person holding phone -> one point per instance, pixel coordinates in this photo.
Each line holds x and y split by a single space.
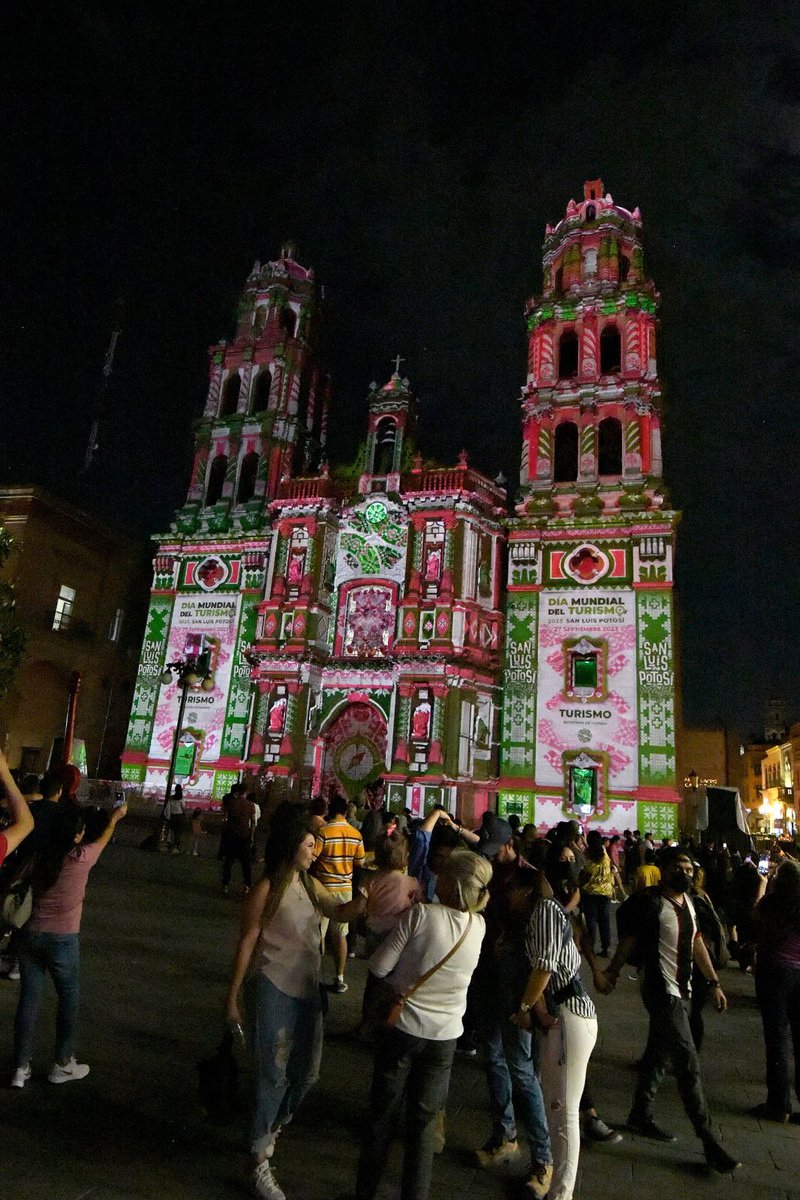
777 975
50 944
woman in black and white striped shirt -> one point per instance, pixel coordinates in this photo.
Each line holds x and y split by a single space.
565 1048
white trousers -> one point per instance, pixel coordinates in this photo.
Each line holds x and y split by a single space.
564 1052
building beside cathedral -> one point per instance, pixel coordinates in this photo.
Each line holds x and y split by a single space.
395 621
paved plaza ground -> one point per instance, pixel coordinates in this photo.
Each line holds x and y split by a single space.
156 943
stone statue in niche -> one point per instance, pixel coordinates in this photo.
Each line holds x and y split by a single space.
295 572
276 716
433 566
421 722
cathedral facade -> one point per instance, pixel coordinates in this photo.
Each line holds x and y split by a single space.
395 621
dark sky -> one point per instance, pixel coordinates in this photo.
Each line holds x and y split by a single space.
414 151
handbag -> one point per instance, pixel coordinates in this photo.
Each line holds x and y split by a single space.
18 904
218 1082
383 1004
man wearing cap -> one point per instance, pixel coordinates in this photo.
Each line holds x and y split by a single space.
510 1051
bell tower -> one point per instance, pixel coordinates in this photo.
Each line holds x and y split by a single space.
392 418
266 411
591 405
589 705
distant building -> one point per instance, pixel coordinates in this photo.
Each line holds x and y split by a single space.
780 786
81 597
701 763
392 621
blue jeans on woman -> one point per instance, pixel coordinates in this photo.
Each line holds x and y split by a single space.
40 954
286 1036
512 1072
778 994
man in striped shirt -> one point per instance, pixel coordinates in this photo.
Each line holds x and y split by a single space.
339 850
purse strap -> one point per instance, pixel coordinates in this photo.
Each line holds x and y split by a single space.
424 978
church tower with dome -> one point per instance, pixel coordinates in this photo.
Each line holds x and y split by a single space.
588 687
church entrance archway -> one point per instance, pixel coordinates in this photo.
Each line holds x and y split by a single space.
355 750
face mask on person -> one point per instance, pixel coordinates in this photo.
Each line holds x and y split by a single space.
679 881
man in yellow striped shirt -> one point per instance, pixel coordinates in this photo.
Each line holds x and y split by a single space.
339 850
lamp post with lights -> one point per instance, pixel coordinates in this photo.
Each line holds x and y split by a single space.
191 673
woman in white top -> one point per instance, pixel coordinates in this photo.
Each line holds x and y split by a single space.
280 942
414 1058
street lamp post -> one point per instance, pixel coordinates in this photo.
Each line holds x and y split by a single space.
191 672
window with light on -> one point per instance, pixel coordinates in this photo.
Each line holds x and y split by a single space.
64 606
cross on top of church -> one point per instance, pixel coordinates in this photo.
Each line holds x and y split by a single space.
397 360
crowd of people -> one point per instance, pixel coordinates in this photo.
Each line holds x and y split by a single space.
474 939
480 935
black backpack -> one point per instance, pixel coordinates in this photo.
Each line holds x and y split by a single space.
633 915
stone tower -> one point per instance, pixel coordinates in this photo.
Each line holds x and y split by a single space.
588 716
264 421
265 416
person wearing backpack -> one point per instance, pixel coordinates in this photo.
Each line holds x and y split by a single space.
717 946
659 932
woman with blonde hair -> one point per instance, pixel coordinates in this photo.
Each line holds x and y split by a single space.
428 959
280 952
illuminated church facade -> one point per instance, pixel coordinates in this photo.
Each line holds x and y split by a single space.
394 621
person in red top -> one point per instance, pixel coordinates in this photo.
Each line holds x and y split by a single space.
50 942
21 823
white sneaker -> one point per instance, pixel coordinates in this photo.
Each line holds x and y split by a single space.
21 1076
66 1074
265 1185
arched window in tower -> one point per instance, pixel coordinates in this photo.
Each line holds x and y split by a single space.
216 479
230 394
565 464
259 399
288 320
558 284
385 437
624 268
247 478
591 212
568 355
610 351
260 320
609 447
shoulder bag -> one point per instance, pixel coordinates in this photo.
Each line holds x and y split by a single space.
384 1004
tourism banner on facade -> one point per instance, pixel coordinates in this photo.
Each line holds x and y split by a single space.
601 718
211 621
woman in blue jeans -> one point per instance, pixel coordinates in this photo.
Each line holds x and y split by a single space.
278 961
777 973
50 944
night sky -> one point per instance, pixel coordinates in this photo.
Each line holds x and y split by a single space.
414 152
